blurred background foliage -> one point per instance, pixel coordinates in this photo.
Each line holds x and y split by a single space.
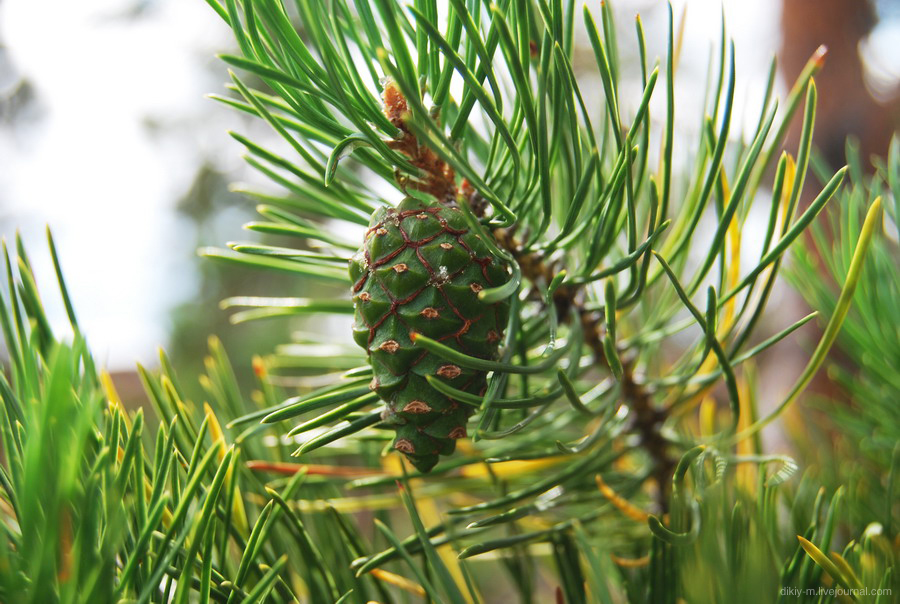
854 406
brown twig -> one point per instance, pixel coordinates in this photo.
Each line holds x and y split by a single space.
647 417
435 176
438 179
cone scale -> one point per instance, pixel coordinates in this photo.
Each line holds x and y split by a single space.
420 270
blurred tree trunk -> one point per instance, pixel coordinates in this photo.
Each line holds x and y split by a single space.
845 105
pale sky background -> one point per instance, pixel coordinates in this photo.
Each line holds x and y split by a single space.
106 183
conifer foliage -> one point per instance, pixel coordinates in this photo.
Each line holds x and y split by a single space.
522 278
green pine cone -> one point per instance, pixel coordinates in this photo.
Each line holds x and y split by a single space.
419 271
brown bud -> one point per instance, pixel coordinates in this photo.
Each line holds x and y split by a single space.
430 313
389 346
417 407
449 371
400 268
405 446
457 432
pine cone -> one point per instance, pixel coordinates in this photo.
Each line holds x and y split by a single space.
419 271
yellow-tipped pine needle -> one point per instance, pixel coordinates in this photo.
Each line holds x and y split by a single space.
630 562
238 513
620 503
823 561
112 395
507 469
398 581
746 474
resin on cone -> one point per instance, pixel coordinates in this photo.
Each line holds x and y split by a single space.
420 271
